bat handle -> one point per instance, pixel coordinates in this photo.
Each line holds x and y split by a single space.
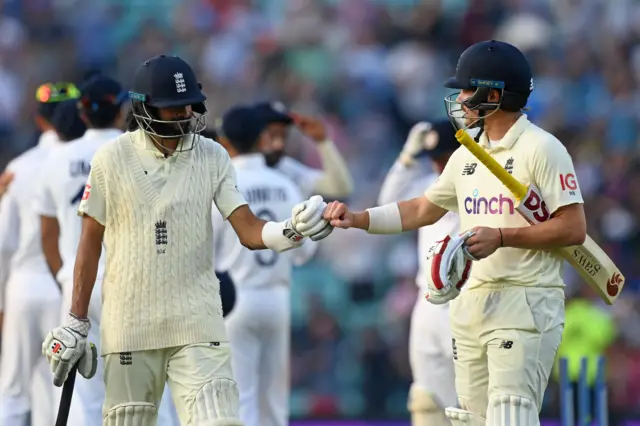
65 399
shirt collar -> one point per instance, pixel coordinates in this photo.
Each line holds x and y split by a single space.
102 133
510 137
249 160
48 139
144 141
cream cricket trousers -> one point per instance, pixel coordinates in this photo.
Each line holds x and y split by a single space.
32 309
505 342
259 332
431 359
89 394
199 376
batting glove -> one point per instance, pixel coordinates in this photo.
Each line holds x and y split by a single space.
67 346
449 269
414 144
306 219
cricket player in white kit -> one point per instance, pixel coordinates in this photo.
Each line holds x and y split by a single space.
430 349
65 176
32 297
508 323
149 198
259 326
334 180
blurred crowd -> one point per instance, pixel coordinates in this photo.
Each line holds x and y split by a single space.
371 69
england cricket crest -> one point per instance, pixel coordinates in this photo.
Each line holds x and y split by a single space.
162 236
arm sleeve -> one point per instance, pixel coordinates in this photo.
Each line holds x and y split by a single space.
555 176
9 236
227 197
443 191
403 183
94 201
335 179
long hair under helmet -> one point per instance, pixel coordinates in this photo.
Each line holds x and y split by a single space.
484 66
167 82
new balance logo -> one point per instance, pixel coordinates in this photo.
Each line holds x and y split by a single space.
181 86
506 344
469 169
508 166
162 237
125 358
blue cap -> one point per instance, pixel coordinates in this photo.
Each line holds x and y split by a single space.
99 90
66 121
242 125
274 112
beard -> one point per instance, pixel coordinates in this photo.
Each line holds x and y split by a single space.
180 128
273 158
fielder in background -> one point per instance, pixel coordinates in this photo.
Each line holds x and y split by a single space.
430 351
507 325
334 180
149 198
259 327
32 302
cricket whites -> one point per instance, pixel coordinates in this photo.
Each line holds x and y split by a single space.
589 260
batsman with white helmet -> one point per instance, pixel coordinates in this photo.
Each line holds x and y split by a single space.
149 200
430 350
507 324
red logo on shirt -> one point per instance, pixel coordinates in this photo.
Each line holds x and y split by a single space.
568 181
87 192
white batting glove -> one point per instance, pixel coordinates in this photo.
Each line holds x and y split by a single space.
414 144
306 219
67 346
448 269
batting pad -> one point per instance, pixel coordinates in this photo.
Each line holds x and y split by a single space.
459 417
217 404
511 410
132 414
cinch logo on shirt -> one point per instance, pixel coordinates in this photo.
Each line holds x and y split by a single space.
493 205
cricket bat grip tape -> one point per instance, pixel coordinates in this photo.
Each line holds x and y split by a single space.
65 399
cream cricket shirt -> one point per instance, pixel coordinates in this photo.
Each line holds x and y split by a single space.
466 186
160 288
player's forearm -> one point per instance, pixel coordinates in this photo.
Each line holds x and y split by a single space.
336 181
50 234
554 233
84 278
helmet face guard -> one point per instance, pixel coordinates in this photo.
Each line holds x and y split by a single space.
147 117
462 119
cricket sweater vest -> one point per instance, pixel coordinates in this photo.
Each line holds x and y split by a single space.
160 289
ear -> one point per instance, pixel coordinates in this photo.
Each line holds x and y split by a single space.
494 96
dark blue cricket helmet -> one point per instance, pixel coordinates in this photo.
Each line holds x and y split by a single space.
491 65
167 82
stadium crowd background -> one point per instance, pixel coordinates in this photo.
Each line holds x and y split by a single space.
372 69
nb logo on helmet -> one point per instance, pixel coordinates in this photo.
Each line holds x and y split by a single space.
181 86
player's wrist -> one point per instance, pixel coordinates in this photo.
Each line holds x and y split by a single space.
385 219
361 220
78 324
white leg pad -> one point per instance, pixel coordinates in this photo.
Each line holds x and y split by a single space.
459 417
512 410
131 414
425 411
217 403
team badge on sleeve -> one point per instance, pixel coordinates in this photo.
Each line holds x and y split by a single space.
87 192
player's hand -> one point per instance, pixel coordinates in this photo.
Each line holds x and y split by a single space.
414 144
338 215
314 128
67 346
307 220
483 242
5 179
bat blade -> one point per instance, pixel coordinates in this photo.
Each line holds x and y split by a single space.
588 259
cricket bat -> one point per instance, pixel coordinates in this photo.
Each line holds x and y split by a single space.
65 399
589 260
